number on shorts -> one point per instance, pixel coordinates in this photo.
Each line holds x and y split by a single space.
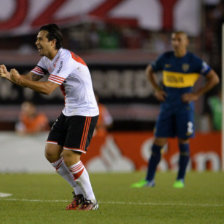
190 127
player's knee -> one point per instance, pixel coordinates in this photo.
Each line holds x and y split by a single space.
71 157
184 149
183 141
50 156
67 154
52 153
160 141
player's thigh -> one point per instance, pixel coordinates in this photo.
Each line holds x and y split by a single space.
165 126
57 133
185 124
79 133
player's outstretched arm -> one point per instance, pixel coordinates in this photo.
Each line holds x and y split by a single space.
45 87
4 72
32 76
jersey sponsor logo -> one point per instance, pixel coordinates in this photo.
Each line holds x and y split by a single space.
60 66
174 79
179 80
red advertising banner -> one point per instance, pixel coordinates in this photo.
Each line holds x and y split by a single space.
25 16
128 151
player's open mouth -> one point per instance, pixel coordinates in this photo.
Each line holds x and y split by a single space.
39 48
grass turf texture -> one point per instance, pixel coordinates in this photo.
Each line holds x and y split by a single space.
42 198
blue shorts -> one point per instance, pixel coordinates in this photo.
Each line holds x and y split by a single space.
175 122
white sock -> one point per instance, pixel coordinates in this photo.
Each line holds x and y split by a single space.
63 171
81 177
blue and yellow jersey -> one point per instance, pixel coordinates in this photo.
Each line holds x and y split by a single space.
179 74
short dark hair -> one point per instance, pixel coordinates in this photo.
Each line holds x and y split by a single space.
181 33
54 32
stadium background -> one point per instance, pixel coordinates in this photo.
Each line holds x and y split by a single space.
117 39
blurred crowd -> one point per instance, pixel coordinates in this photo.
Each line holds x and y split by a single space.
109 37
101 36
95 36
98 35
212 32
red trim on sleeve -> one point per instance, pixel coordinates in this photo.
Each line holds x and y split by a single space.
38 70
57 79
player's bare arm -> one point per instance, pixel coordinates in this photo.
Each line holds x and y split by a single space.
4 72
159 93
32 76
212 79
45 87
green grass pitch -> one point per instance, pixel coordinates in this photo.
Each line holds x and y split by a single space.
42 198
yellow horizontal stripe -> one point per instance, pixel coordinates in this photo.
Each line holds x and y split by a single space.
179 80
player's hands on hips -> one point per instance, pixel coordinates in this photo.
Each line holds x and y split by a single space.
15 76
188 97
160 94
4 72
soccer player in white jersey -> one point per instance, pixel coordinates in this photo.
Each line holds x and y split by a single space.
71 133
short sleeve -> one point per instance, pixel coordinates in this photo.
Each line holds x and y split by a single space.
61 71
40 68
205 68
201 66
158 64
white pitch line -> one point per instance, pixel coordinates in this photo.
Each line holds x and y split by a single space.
120 202
163 204
4 195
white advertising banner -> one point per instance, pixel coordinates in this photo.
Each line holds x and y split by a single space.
114 152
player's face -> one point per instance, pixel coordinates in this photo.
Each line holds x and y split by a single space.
44 46
179 41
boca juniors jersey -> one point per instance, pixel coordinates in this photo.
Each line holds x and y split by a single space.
179 74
